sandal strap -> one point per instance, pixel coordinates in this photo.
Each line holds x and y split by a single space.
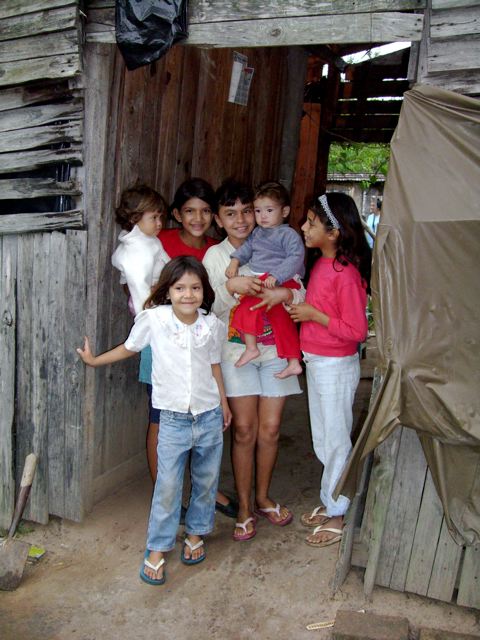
275 509
320 529
243 525
193 547
154 567
319 511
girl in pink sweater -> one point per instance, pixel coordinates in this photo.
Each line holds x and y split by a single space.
333 324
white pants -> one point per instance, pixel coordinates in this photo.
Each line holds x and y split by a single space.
332 383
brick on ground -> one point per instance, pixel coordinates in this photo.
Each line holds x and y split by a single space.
437 634
351 625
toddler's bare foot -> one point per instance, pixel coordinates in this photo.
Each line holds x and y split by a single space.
293 368
248 355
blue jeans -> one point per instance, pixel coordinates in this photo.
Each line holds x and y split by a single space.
180 434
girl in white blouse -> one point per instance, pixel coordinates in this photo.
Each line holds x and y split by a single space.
186 341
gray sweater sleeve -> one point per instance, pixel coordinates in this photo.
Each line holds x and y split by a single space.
294 252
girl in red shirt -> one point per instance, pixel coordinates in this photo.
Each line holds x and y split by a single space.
334 322
193 208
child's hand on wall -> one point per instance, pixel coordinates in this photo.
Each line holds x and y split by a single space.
86 353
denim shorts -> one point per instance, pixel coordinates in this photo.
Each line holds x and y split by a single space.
256 378
153 414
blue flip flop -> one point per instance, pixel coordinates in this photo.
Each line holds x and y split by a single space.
154 567
193 547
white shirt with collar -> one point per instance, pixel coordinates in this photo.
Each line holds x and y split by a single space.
182 378
140 260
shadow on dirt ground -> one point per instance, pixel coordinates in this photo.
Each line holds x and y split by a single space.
87 587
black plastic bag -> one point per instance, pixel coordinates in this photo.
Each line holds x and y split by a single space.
146 29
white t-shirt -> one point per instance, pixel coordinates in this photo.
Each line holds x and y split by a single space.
140 260
182 378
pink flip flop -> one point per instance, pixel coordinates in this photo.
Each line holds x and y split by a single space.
247 535
265 513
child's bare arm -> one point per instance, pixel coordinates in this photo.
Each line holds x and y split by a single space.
232 270
304 312
270 282
227 414
109 357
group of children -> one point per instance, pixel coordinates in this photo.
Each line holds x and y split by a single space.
172 298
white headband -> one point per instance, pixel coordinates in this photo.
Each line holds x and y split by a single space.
333 221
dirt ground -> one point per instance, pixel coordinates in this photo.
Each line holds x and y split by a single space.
87 587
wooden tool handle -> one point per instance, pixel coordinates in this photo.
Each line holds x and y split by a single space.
25 486
28 470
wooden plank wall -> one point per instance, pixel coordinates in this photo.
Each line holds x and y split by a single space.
42 303
42 264
448 55
41 112
404 530
159 124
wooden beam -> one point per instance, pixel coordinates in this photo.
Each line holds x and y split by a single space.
455 23
466 82
45 92
24 25
30 160
383 107
11 8
21 188
201 11
43 114
48 67
33 137
363 27
454 54
30 222
375 89
383 136
452 4
308 29
361 121
53 44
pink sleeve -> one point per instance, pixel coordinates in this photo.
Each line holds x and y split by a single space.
352 323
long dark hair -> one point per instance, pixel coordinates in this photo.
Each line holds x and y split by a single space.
352 246
194 188
171 273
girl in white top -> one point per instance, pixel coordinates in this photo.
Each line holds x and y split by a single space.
186 341
140 256
256 396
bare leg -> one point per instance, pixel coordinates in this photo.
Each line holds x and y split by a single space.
245 430
269 418
152 459
251 350
293 368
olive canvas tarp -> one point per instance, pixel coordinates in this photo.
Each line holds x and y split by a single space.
426 296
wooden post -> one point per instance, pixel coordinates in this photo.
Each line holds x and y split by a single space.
296 74
8 276
326 121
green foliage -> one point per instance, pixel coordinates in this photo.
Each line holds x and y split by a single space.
371 159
